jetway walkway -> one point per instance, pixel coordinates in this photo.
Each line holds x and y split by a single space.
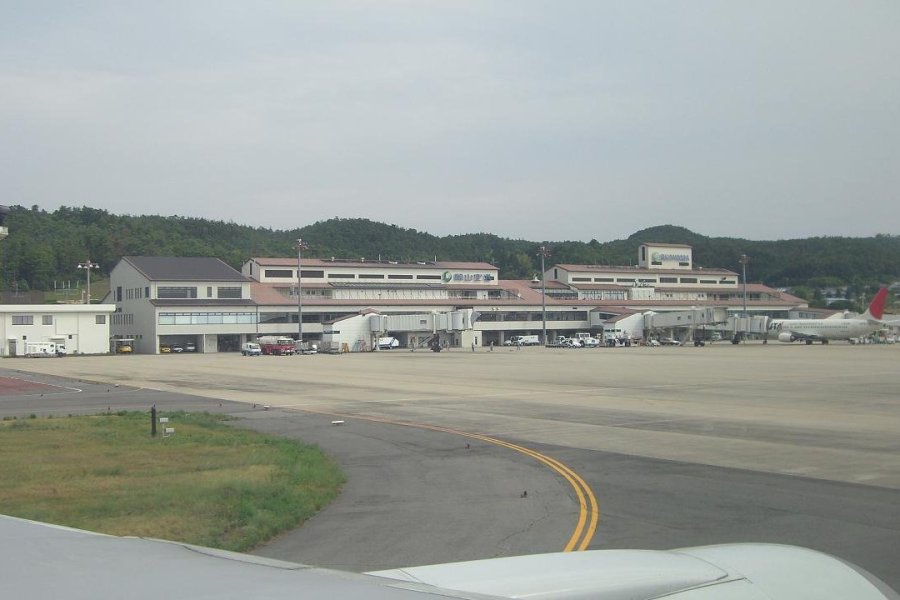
706 319
363 332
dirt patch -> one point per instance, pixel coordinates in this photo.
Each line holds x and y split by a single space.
12 386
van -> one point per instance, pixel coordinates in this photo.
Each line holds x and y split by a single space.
523 340
251 349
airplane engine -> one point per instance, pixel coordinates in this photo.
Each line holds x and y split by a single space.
786 337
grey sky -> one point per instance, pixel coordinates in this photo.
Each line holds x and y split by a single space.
535 120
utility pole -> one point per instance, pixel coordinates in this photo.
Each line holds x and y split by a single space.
744 260
543 252
4 231
301 246
87 266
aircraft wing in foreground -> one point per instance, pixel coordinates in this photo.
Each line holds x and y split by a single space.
43 561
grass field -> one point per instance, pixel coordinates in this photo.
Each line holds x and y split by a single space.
207 484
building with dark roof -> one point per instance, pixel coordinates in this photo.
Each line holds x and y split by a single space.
204 303
181 302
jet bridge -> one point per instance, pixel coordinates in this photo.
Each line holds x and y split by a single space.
705 316
359 333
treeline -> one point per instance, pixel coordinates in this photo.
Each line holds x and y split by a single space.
45 248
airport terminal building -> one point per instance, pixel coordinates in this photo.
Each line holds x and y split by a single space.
205 304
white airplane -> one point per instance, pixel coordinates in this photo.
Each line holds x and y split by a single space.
41 561
835 327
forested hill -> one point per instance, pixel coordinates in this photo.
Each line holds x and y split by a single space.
44 247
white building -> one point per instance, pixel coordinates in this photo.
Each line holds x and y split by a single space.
82 328
165 301
203 302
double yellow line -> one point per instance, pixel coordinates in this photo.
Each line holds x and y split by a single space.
589 512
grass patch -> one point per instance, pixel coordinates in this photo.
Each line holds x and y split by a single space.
208 484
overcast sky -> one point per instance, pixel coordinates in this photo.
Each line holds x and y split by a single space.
556 120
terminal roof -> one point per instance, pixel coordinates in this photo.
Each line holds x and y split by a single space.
184 268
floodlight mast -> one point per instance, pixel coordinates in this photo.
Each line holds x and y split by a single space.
301 246
543 252
87 266
744 260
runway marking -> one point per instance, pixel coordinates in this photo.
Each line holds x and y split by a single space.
589 511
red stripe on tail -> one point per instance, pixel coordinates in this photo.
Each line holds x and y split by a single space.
876 309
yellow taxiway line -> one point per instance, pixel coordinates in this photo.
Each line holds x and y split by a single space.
589 512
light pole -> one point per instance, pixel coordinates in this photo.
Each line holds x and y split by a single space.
543 252
87 266
744 260
694 324
301 246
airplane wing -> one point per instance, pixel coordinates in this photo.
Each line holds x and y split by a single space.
41 561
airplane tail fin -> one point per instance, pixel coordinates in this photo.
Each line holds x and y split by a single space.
876 309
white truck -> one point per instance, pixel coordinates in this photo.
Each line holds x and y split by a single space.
251 349
523 340
44 350
586 340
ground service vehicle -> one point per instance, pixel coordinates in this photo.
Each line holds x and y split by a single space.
251 349
388 343
276 345
587 340
306 348
44 350
568 342
524 340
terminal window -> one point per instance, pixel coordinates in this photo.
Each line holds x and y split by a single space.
177 292
229 292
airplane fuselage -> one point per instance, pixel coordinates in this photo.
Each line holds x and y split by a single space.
790 330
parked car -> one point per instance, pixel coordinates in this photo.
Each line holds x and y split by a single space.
669 342
190 347
165 349
654 343
177 348
124 349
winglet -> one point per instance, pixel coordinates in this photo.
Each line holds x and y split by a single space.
876 309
